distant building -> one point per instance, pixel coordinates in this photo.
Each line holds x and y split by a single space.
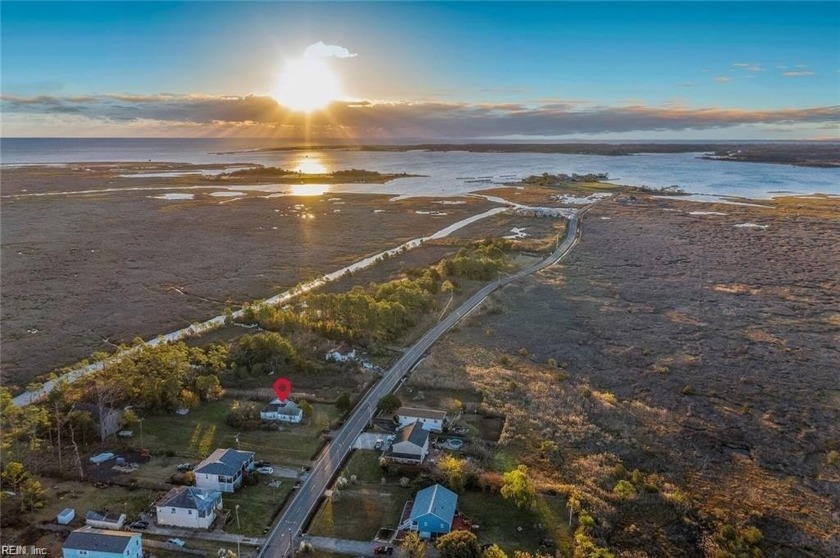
432 512
223 470
99 543
341 354
285 411
189 506
105 520
108 422
410 446
430 419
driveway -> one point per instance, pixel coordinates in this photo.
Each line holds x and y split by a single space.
366 440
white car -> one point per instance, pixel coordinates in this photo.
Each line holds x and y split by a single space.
176 542
265 471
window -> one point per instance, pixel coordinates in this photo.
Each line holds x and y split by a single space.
189 512
173 510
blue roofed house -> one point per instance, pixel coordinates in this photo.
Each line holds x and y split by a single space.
189 506
88 542
223 470
432 512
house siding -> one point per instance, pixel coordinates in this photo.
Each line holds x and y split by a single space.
133 550
181 517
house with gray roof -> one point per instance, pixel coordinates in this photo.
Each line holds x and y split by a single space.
88 542
189 506
282 411
410 446
432 513
430 419
223 470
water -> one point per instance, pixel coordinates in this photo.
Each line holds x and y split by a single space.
449 173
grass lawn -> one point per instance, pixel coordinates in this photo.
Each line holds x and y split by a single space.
500 521
484 428
85 497
365 465
256 507
196 435
360 511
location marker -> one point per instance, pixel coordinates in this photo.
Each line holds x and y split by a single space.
282 387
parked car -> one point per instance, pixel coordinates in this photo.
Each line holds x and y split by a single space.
383 550
265 471
262 463
176 542
140 524
184 467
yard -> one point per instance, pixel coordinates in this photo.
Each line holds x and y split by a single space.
362 508
85 497
500 521
195 435
257 505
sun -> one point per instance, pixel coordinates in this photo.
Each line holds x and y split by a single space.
307 85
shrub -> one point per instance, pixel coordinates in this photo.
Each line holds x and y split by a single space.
624 490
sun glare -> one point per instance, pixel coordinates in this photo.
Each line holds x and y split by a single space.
306 85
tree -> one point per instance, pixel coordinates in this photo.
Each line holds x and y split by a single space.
129 419
343 403
494 552
519 487
624 490
389 404
458 544
454 471
305 407
413 546
32 494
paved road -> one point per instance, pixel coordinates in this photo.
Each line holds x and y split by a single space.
291 522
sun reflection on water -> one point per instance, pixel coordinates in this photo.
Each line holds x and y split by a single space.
309 189
310 164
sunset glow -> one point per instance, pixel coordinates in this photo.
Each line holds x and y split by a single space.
307 85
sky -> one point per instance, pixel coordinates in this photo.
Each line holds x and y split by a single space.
436 71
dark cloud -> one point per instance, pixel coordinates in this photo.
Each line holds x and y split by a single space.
366 119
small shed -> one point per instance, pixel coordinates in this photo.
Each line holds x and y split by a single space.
105 520
65 516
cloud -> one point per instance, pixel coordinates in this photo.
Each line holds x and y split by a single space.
723 79
321 50
798 74
749 67
253 115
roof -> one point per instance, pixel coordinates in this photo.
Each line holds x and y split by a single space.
190 497
420 413
102 540
282 408
106 516
436 500
414 433
224 462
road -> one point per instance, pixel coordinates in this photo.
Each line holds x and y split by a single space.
291 522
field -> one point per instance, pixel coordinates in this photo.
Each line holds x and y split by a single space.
693 342
196 435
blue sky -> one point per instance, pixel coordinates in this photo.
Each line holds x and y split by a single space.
754 58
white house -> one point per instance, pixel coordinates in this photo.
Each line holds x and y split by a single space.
411 445
105 520
88 542
341 354
188 506
285 411
430 419
223 470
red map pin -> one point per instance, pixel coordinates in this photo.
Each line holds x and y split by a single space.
282 387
